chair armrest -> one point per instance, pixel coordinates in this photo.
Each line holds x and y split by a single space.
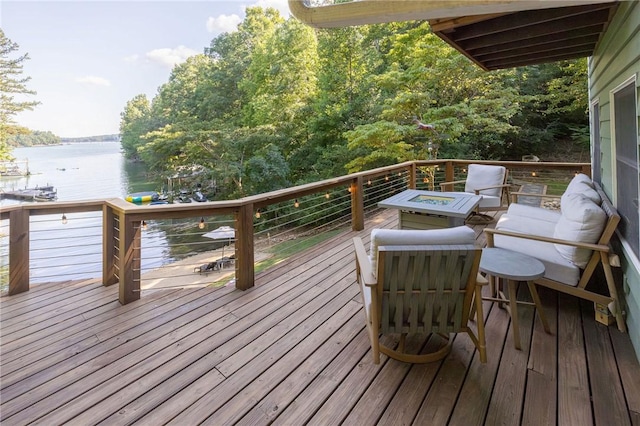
503 185
363 263
451 183
480 280
491 232
514 196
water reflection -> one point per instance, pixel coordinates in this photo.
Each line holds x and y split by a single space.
79 171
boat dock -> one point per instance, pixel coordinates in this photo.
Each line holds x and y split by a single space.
39 193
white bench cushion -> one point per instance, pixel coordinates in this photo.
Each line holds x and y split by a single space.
396 237
526 225
490 201
557 268
537 213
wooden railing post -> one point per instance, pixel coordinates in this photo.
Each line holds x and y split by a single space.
413 173
109 242
357 204
449 172
129 261
19 251
245 274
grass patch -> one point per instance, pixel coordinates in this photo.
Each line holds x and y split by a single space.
287 249
284 250
556 187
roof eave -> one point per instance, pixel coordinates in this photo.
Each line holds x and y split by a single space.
382 11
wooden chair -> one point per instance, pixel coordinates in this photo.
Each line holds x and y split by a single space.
420 289
486 180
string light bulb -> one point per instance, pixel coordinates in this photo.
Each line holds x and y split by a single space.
144 225
201 224
64 219
326 195
386 178
369 182
257 214
533 174
296 204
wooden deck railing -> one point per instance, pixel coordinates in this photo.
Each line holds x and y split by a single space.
122 221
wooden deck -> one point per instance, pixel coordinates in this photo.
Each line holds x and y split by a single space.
293 350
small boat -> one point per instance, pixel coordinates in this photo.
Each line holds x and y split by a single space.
199 197
184 196
46 195
142 197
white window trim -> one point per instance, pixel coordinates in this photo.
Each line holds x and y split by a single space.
614 170
592 107
614 178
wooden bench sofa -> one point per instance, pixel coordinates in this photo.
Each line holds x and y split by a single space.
571 242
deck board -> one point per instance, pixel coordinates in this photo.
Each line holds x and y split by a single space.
294 350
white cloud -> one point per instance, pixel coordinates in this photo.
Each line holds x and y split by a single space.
132 58
281 5
96 81
171 57
223 23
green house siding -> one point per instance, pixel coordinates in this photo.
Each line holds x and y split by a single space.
616 59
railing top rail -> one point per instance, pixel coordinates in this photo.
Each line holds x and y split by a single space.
54 207
258 200
521 164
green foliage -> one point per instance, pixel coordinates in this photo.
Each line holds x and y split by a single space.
380 144
134 124
554 100
12 83
277 103
32 138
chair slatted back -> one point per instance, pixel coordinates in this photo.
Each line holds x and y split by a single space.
426 288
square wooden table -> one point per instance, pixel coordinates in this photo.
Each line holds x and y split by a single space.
430 209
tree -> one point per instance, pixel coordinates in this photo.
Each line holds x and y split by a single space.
135 122
11 83
276 103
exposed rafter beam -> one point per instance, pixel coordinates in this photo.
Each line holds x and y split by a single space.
535 59
529 19
543 29
540 40
560 46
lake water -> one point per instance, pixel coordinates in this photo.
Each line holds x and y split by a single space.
80 171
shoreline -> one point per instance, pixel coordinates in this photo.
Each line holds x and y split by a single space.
181 274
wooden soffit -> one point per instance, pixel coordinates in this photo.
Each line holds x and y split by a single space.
492 33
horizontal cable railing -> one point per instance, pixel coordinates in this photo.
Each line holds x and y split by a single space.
65 247
148 247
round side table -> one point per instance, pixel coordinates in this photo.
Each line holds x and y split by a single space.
513 267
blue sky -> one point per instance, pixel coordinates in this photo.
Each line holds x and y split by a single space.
88 58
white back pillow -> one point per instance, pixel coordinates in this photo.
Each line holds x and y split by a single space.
582 220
